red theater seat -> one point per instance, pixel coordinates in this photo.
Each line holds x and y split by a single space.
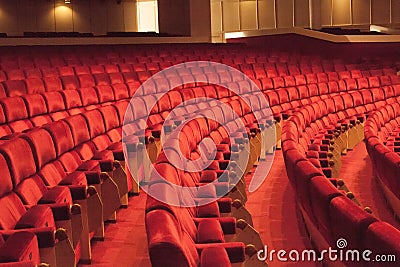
19 249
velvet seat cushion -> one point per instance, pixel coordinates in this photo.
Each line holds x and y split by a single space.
36 217
21 246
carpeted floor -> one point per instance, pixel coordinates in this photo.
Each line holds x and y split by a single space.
275 216
273 208
125 242
357 173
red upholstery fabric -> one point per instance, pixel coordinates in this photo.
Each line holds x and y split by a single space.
209 231
382 239
350 222
14 151
11 210
15 88
36 217
12 113
6 182
20 247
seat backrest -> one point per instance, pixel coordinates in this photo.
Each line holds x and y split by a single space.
348 221
11 211
15 88
383 239
15 74
70 82
35 86
79 128
110 117
42 146
66 71
95 122
54 101
71 98
86 80
52 84
88 96
61 135
14 108
5 178
20 159
80 70
101 79
105 93
167 245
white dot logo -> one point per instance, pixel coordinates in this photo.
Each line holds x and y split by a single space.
341 243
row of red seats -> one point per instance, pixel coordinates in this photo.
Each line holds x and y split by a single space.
203 234
159 115
381 136
102 53
73 82
319 198
39 109
37 85
62 163
96 74
36 110
256 69
341 108
104 93
63 55
32 139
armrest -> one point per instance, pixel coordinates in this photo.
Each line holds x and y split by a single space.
131 146
61 212
93 177
156 133
225 205
361 118
45 235
78 192
323 154
223 164
106 165
324 163
221 188
277 118
227 155
285 115
327 172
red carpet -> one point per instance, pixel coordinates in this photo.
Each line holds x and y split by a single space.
275 215
126 242
358 175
